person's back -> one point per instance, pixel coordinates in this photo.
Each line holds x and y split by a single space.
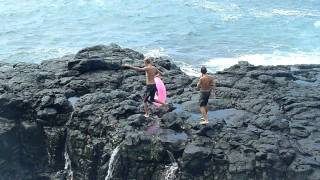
206 83
206 86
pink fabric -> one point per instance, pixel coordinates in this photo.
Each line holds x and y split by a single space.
161 94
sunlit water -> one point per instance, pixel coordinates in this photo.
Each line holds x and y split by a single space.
193 32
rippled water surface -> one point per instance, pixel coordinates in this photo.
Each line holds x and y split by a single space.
193 32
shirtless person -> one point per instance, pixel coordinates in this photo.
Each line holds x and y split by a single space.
206 85
151 89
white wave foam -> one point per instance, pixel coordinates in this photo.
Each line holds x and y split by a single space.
316 24
276 58
213 6
280 58
282 12
218 7
158 52
186 68
259 13
227 11
232 11
287 12
37 55
189 69
218 64
96 2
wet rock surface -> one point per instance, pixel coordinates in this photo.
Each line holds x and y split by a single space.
80 116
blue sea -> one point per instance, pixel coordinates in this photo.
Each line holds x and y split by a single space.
213 33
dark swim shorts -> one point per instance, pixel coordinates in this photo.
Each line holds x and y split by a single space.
204 97
150 93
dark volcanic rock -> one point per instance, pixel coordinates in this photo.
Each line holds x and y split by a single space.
195 159
263 125
102 58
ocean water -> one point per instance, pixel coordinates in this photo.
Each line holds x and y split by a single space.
193 32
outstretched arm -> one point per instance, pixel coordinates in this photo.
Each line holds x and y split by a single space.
134 68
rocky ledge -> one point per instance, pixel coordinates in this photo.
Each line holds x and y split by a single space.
80 117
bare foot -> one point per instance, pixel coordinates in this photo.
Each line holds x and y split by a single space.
204 122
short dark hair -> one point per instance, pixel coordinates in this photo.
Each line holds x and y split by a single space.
148 60
203 70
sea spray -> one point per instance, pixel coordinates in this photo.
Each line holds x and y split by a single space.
112 162
73 101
